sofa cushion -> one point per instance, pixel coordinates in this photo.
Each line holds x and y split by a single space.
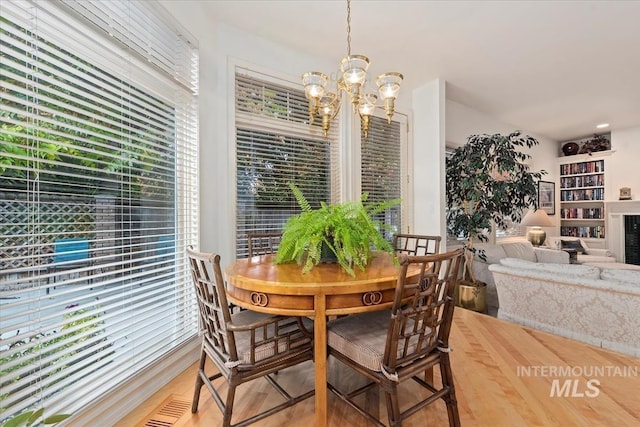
572 244
562 269
625 276
585 258
493 253
522 250
556 242
554 256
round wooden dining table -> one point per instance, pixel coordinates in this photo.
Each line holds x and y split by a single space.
260 285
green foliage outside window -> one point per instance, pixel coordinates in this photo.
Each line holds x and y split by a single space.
52 351
49 124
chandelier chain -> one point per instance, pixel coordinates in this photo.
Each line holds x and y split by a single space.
348 27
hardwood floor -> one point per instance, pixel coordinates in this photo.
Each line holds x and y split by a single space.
504 376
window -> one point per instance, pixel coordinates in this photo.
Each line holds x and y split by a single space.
276 146
98 198
381 169
512 229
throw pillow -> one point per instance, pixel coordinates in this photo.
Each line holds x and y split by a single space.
572 244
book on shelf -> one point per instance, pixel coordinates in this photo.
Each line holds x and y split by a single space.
581 213
594 166
583 231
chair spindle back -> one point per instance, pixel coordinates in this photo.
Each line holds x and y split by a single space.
423 309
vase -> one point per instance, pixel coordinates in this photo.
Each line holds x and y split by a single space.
326 254
471 296
570 149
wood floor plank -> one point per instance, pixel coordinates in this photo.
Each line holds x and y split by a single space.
490 359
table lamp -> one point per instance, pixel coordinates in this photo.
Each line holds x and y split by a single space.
535 220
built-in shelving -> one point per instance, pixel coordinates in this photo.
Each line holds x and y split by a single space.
582 199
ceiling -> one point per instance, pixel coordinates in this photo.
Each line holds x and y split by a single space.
553 68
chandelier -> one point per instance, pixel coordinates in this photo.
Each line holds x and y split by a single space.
352 79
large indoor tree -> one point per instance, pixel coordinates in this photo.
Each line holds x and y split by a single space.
488 181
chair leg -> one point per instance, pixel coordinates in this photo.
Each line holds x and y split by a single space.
450 398
428 375
228 408
199 383
393 406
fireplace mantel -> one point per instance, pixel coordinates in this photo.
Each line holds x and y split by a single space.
616 211
623 207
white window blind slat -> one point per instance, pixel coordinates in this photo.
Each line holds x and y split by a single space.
55 71
98 150
165 46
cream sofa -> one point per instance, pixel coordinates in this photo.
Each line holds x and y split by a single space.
520 249
589 255
597 306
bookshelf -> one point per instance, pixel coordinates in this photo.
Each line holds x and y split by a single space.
582 198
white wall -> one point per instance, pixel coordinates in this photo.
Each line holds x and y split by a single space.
622 168
463 121
221 46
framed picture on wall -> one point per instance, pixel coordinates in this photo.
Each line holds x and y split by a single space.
547 197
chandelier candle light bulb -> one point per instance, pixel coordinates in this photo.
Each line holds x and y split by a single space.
314 83
389 84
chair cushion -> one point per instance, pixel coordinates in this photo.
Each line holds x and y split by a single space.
361 337
572 244
243 339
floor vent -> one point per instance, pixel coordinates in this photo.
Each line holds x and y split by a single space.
168 413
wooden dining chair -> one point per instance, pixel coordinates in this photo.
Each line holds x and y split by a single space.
391 346
416 244
263 243
243 346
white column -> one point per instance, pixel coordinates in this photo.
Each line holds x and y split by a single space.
428 159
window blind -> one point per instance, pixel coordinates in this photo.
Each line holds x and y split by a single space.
98 197
381 169
275 146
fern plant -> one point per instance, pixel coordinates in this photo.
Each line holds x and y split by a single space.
348 230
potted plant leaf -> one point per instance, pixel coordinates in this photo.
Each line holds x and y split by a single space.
347 231
29 418
487 180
